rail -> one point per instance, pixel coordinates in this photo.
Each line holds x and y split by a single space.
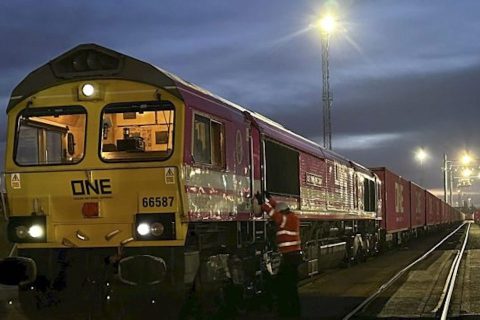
398 275
452 279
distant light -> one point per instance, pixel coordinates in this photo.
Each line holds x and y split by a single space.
466 173
327 24
421 155
466 159
88 90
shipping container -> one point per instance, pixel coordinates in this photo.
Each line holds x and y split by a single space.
417 206
431 205
396 206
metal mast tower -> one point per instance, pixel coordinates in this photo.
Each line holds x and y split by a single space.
326 96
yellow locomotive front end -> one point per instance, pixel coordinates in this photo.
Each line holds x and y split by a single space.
93 175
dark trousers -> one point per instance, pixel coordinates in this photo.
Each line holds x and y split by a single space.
288 300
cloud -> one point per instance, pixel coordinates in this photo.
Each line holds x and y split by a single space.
365 141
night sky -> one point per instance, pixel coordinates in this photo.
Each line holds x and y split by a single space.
404 74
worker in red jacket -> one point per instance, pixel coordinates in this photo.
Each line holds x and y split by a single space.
288 242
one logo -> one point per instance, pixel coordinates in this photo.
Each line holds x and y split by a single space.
94 187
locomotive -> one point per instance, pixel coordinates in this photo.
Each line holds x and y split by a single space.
123 180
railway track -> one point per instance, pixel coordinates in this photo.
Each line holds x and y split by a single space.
425 287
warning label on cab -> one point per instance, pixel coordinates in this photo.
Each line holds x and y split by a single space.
15 181
170 175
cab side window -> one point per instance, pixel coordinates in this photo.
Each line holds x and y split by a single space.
208 141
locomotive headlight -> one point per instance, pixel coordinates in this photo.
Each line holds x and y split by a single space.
36 231
155 226
23 229
143 229
88 90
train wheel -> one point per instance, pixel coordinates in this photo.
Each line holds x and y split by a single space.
204 301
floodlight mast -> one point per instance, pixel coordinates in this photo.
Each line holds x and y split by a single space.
327 25
326 97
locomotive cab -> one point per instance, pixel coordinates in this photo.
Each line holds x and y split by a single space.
92 172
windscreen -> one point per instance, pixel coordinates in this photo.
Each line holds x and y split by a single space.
50 136
137 131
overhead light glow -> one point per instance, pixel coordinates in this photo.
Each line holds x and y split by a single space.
466 173
327 24
466 159
421 155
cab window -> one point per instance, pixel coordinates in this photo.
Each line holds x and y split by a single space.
208 141
137 131
50 136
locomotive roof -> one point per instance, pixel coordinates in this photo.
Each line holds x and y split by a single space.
87 61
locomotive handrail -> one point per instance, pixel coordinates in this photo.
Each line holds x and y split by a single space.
2 196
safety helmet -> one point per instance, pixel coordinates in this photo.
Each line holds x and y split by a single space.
282 207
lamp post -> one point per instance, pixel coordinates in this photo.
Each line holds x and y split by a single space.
421 155
327 26
466 167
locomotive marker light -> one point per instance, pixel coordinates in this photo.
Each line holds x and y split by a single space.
157 229
21 232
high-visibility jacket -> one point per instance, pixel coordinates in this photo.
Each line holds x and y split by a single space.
288 228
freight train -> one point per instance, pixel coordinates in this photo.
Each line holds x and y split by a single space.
124 180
